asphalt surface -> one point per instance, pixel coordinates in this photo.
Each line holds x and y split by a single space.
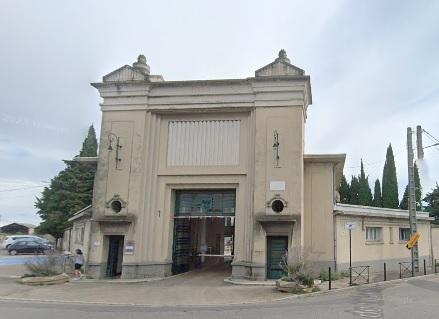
18 260
416 298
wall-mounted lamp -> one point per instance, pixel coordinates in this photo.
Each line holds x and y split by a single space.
113 138
276 149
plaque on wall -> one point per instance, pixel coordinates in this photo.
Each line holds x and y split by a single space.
129 248
277 185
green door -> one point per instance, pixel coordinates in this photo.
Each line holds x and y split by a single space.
276 248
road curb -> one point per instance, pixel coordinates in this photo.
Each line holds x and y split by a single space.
120 304
250 283
371 285
127 281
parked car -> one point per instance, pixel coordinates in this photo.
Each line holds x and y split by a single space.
13 238
44 241
28 246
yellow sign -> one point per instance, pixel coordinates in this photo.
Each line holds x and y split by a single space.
413 240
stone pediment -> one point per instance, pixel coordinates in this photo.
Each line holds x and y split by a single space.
281 66
125 73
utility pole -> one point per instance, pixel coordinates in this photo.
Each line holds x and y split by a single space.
419 148
412 199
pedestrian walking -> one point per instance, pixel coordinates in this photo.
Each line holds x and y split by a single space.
79 262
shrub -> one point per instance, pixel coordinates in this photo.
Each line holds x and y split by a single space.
306 279
297 267
324 275
42 266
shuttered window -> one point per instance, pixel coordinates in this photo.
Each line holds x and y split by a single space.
205 203
374 233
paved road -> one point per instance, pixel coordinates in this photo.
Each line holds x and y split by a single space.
417 298
18 260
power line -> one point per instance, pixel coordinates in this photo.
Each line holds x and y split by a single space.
430 135
396 154
19 189
434 139
374 163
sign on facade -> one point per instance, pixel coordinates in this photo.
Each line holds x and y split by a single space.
350 225
277 185
129 248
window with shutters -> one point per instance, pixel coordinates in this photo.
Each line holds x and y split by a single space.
374 233
404 234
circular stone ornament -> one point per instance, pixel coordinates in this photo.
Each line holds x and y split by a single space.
277 206
116 206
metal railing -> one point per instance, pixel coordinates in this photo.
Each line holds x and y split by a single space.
68 262
359 275
405 269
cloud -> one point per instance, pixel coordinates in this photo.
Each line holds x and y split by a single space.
373 66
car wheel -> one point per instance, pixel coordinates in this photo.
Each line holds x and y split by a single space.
13 252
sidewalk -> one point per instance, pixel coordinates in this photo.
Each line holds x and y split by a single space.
199 287
194 288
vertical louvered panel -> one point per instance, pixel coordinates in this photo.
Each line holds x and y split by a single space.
203 143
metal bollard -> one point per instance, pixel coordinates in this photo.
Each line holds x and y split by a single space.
435 263
385 272
329 277
425 269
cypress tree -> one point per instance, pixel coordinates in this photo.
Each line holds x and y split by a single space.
432 200
364 192
90 144
377 198
404 200
354 191
418 193
69 191
390 182
344 190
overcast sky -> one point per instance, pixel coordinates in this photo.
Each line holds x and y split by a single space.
374 71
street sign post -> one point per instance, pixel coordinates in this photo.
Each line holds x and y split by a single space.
350 226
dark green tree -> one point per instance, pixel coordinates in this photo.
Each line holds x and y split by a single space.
418 193
354 191
390 182
432 200
377 198
344 190
364 192
69 191
90 144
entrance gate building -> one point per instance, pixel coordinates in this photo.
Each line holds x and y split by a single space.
197 172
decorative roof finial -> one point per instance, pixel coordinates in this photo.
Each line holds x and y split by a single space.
283 56
141 59
141 65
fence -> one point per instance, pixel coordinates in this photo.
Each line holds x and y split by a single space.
405 270
359 275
